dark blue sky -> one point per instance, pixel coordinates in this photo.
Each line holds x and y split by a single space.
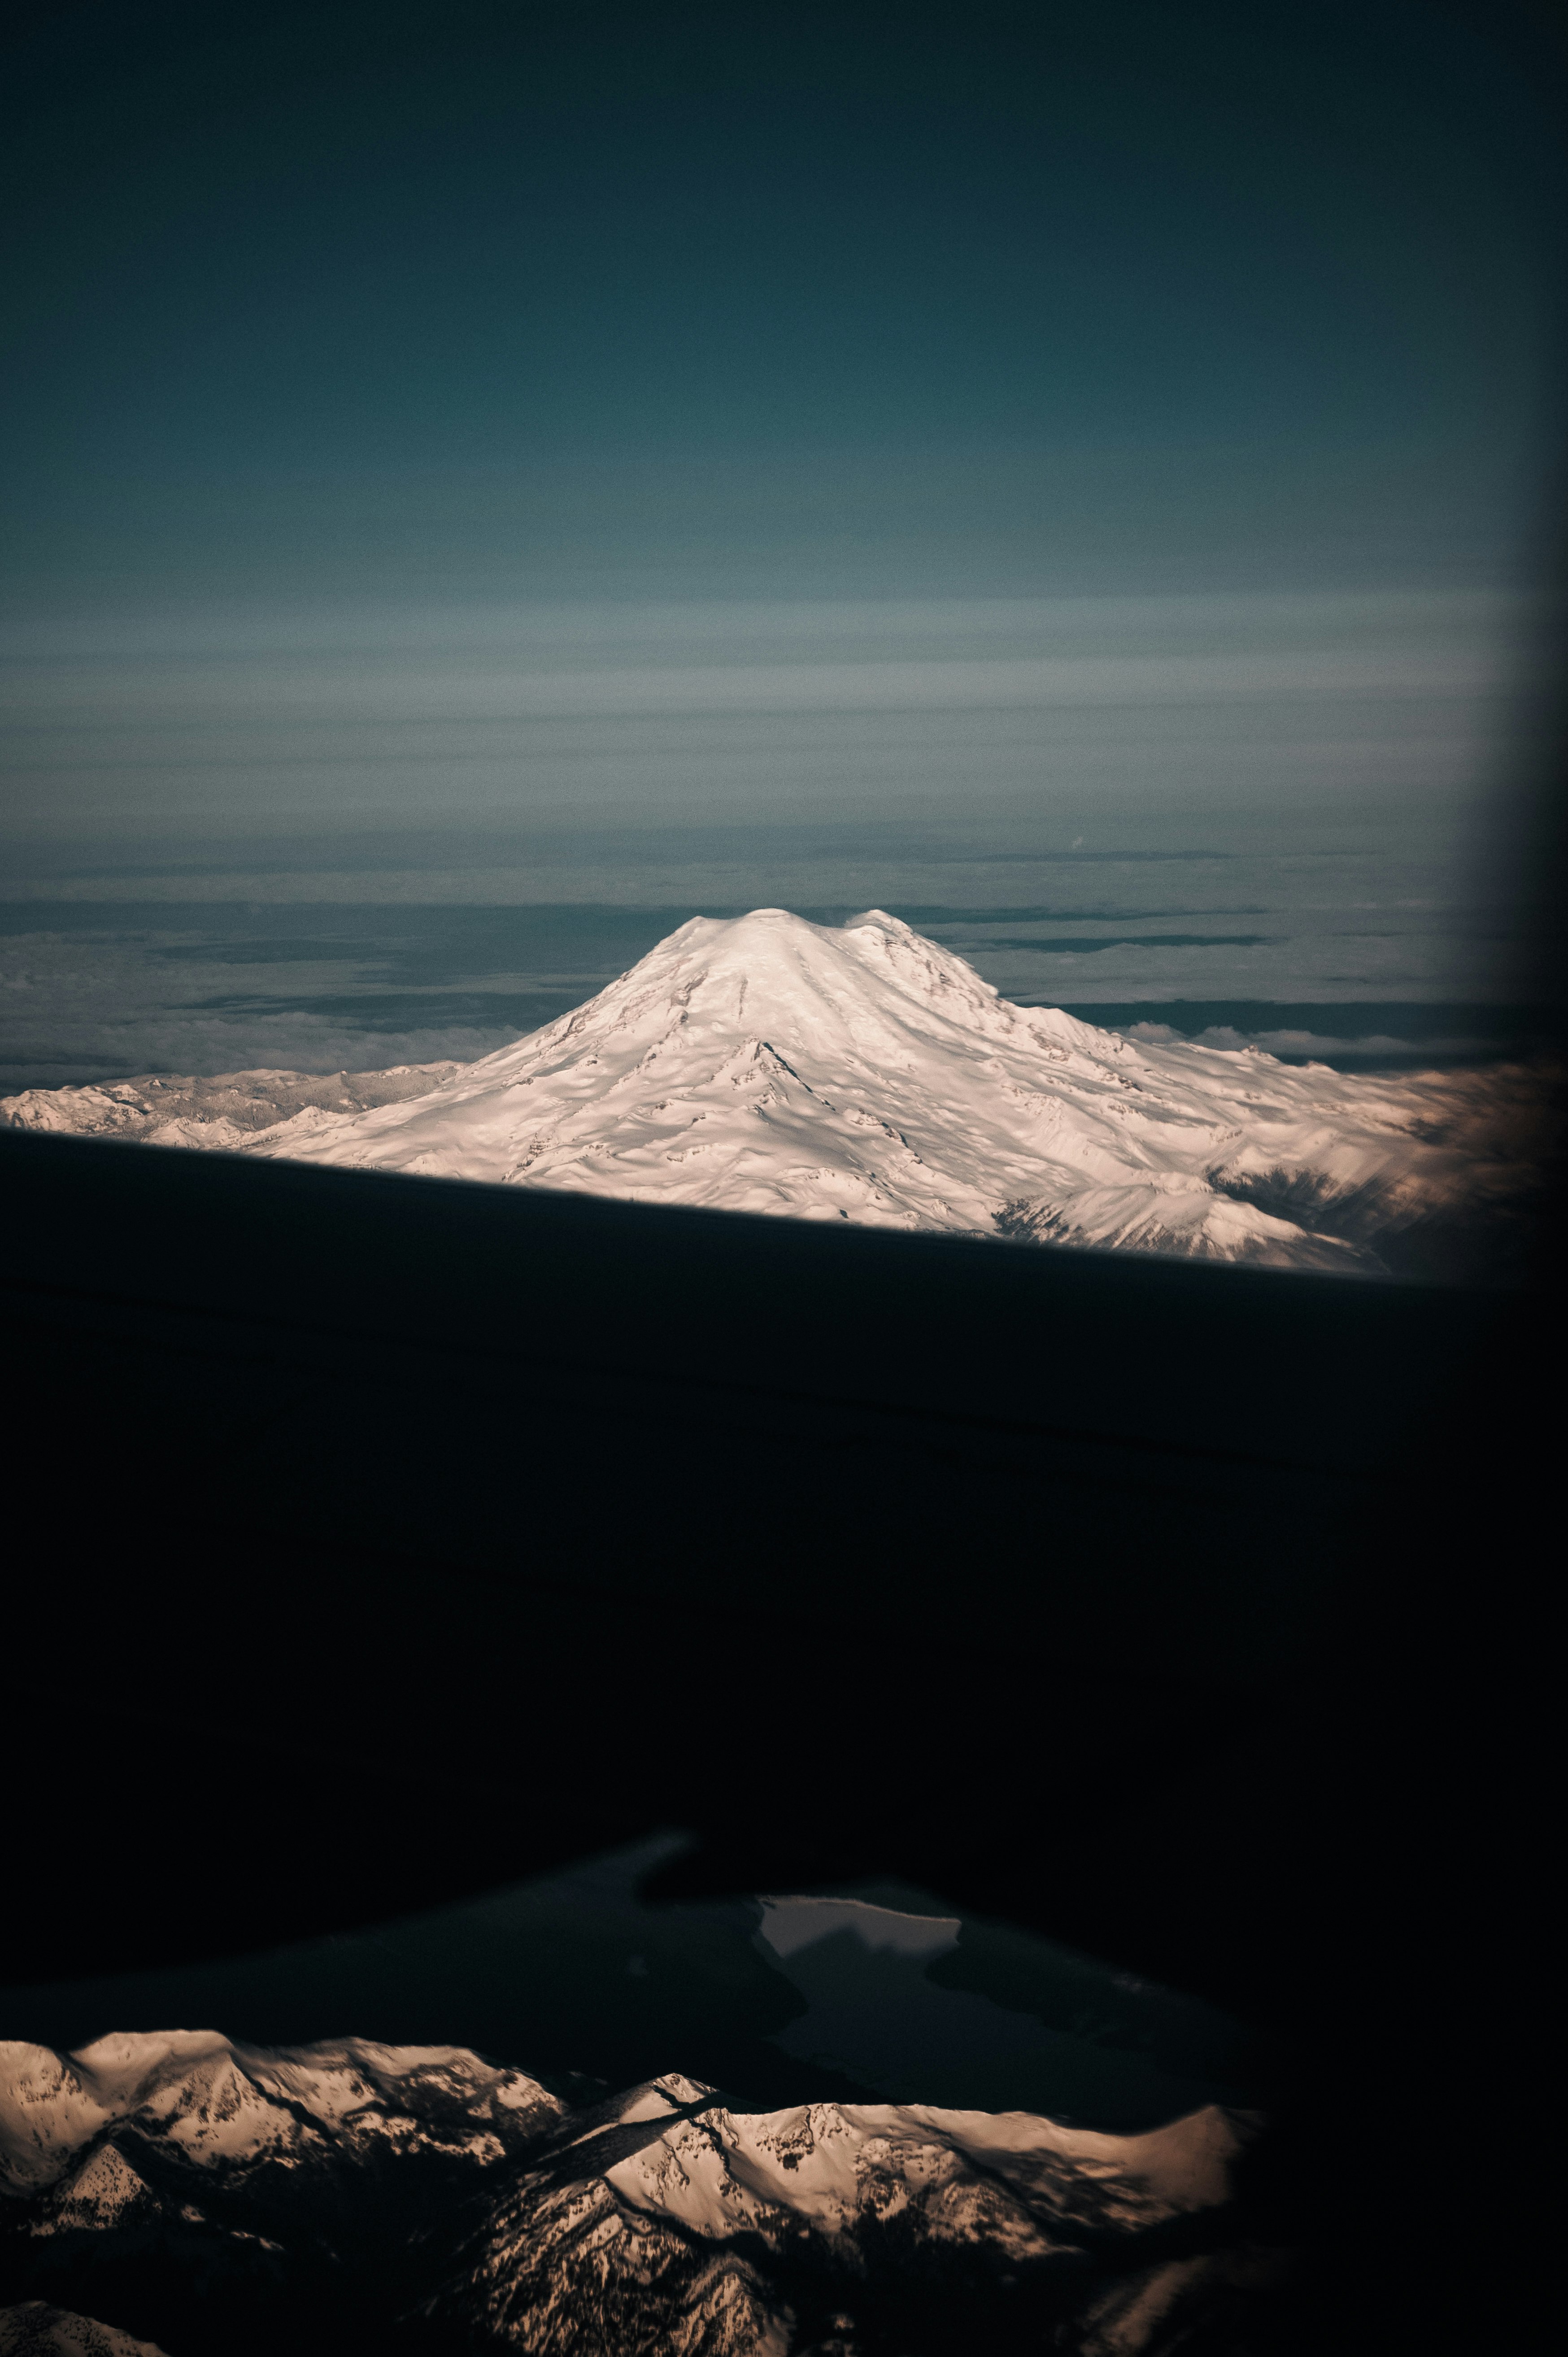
843 299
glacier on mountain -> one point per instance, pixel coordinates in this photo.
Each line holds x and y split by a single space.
862 1072
216 2196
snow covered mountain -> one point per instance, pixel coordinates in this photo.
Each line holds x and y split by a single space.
167 1109
866 1073
216 2197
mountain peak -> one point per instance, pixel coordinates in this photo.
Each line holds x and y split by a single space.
864 1073
652 2218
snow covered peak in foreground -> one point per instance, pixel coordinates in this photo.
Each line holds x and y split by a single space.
217 2196
761 1063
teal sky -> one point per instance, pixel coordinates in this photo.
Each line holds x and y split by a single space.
684 458
489 301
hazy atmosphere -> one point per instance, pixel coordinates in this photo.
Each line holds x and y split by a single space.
477 497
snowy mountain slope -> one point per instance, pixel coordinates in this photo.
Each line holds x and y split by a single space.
210 2195
173 1109
35 2327
222 2104
726 2232
765 1064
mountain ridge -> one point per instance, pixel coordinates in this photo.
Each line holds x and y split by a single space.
208 2194
863 1072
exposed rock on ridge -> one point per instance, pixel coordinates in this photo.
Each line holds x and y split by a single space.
219 2197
